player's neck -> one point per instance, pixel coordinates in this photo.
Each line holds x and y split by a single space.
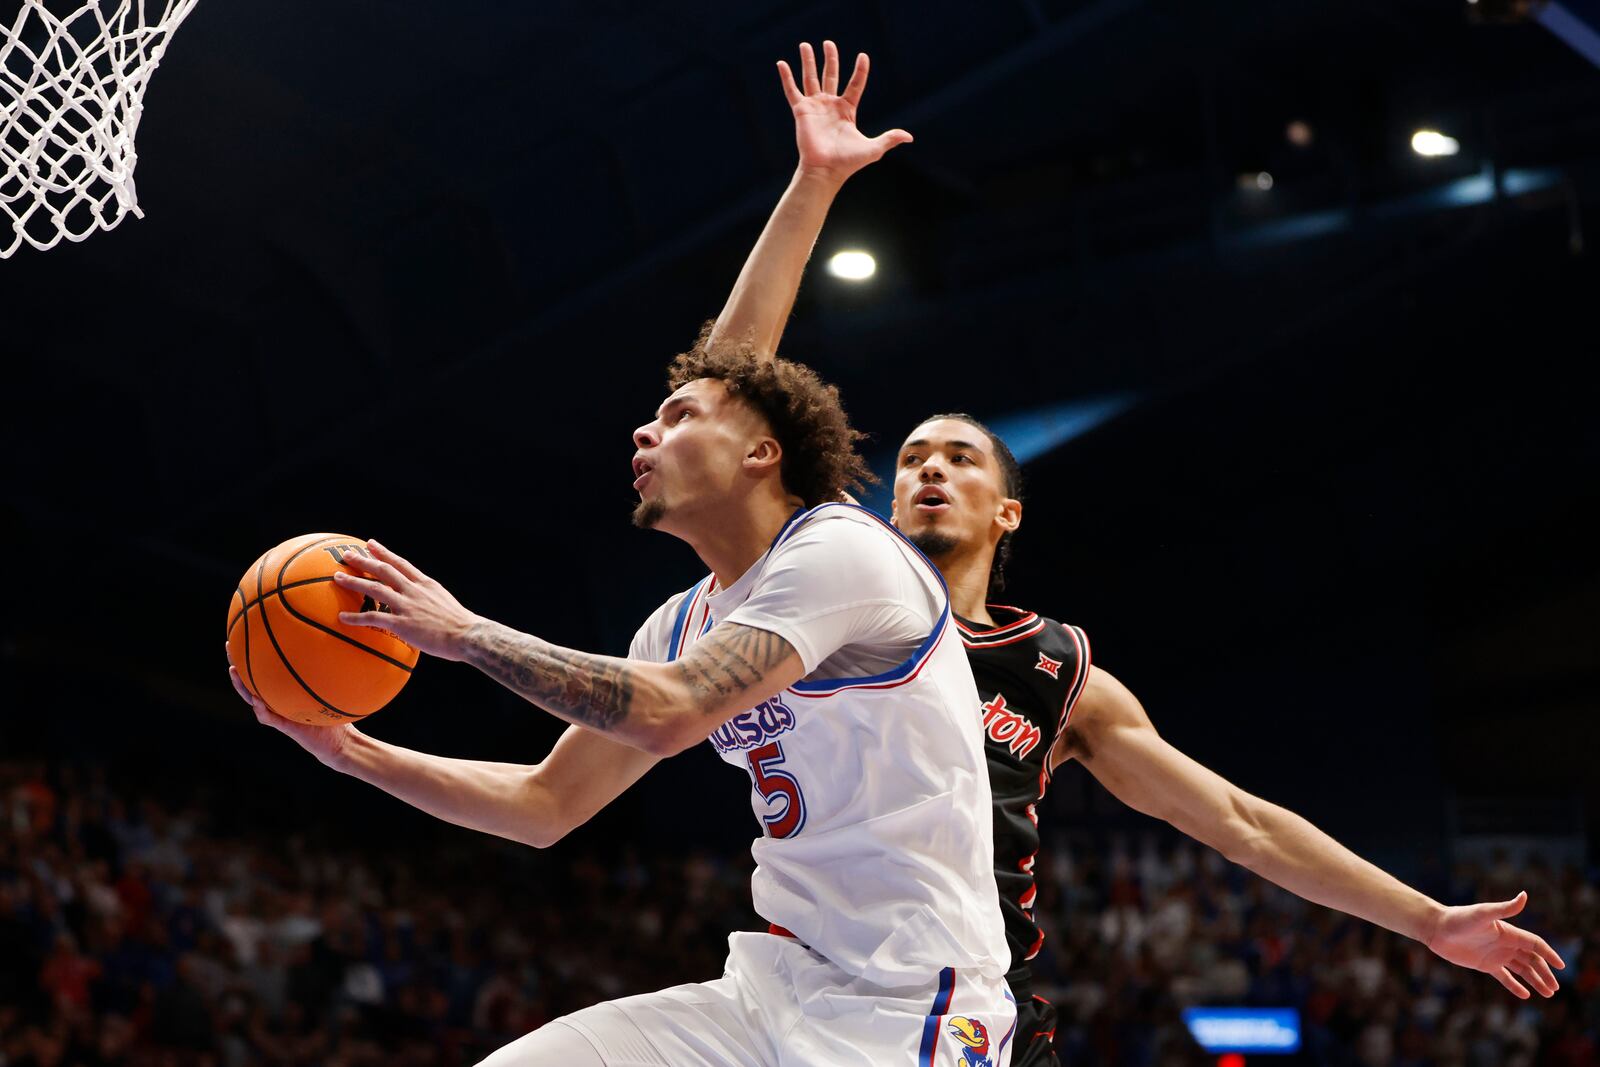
967 575
734 539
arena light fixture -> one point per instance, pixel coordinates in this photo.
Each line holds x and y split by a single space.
1432 143
853 265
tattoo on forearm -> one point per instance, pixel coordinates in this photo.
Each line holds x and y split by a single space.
594 691
598 691
729 660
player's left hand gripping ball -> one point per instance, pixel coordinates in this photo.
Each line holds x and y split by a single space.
401 599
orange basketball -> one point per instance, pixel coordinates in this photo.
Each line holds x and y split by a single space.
285 637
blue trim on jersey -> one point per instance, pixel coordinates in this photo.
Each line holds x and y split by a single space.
903 670
941 1008
684 608
683 615
789 525
1004 1041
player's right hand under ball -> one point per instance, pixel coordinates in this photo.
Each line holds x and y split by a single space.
324 742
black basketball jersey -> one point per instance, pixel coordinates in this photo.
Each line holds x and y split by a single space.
1030 671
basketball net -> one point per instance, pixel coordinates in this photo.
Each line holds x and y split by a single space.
71 92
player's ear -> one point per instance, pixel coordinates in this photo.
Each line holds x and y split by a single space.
765 453
894 512
1010 514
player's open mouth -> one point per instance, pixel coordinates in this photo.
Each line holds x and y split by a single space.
931 498
641 471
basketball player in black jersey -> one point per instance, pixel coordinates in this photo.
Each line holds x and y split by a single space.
958 497
1031 673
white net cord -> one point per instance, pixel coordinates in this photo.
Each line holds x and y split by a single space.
71 92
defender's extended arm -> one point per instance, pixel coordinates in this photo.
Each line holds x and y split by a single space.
1112 736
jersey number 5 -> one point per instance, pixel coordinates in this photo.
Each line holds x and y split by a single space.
775 785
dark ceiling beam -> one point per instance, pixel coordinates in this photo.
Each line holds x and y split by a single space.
1034 12
1044 44
1070 32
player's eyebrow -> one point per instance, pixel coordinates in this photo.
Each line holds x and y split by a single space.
923 442
675 400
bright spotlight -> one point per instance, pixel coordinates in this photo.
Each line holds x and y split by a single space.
1433 143
852 266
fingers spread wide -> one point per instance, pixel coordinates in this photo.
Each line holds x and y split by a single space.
791 91
858 81
808 69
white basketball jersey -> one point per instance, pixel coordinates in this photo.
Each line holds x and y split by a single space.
872 792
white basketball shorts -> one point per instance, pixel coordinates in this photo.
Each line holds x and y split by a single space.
778 1004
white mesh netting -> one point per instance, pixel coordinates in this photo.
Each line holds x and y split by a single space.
71 91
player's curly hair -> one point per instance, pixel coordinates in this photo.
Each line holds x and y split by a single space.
1011 485
820 462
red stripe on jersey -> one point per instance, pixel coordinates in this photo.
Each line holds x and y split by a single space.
694 630
1074 691
1080 639
1049 1034
985 642
1028 618
1037 945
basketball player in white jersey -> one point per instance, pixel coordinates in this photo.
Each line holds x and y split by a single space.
956 489
818 656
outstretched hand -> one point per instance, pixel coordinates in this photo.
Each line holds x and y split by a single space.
1477 936
825 119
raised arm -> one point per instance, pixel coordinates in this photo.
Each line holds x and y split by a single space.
659 708
1112 736
831 148
536 805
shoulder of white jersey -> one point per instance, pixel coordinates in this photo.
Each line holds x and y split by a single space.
674 625
901 673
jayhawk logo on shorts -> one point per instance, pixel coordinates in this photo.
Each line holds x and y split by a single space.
974 1038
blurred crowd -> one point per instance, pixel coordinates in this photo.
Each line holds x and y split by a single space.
1139 929
134 932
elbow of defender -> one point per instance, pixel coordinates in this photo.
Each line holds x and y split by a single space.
542 836
1245 838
